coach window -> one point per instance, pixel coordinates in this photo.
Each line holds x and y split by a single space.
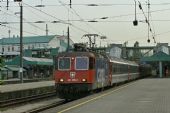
82 63
114 68
126 68
64 63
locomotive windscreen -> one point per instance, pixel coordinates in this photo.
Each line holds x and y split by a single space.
82 63
64 63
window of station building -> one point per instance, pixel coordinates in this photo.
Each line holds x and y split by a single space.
12 48
8 48
3 49
44 45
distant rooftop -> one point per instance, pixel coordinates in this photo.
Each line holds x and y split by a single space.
27 39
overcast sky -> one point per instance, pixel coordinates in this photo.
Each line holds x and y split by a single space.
117 27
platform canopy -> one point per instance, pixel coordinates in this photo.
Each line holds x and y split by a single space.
160 56
30 61
13 68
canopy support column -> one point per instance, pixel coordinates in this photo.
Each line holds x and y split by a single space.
160 69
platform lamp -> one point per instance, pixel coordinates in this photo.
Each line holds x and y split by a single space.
21 40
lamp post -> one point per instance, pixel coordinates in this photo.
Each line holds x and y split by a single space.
21 40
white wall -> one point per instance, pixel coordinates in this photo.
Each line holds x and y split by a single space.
115 52
55 42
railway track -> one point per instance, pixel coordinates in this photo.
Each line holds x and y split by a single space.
17 101
52 105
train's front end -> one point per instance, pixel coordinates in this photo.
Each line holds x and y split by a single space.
74 74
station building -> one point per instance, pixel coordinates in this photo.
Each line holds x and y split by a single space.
38 53
10 47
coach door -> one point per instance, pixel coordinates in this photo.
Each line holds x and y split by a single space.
110 73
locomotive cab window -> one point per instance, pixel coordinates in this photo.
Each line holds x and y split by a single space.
64 63
82 63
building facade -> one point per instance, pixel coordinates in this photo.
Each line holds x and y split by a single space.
10 47
115 50
162 47
38 52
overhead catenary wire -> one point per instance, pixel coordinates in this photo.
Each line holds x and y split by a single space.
125 15
119 21
117 16
86 20
113 21
98 4
25 21
154 11
31 23
154 38
17 29
107 21
139 38
60 20
47 14
147 20
73 11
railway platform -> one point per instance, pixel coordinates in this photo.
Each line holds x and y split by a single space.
13 91
142 96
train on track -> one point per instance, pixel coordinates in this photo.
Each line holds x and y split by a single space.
81 71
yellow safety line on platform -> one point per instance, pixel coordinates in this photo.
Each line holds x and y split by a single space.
94 98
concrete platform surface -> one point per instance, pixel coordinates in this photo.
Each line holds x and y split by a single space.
25 86
143 96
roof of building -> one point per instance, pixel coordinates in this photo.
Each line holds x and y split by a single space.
38 61
30 61
27 39
160 56
13 68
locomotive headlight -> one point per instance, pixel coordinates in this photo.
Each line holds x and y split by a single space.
84 80
61 80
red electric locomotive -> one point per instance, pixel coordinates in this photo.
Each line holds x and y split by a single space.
81 71
76 73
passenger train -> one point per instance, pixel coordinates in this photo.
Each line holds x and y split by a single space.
80 71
